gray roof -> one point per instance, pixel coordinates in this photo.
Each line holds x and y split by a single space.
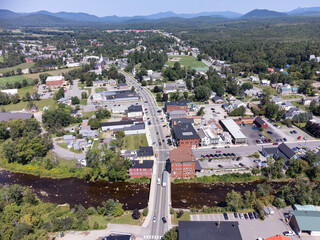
195 230
145 151
119 123
135 108
8 116
180 103
144 164
288 152
271 150
185 131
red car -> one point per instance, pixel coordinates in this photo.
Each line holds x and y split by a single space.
218 151
299 137
267 140
275 143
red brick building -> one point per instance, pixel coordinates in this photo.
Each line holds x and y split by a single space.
260 123
182 163
185 135
174 106
55 81
141 169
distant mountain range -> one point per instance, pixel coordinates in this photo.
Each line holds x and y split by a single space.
41 18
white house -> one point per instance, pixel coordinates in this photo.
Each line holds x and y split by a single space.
265 82
254 78
135 111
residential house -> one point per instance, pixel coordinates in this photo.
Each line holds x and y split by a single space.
112 82
253 106
280 151
285 106
89 133
291 113
254 78
145 153
209 230
265 82
181 105
68 138
260 123
276 100
135 111
287 89
9 116
185 135
182 162
141 168
252 93
277 86
270 70
218 100
79 144
306 101
116 125
228 107
55 81
238 104
146 78
137 128
99 83
231 99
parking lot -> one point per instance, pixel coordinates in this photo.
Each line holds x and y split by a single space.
295 132
255 228
217 114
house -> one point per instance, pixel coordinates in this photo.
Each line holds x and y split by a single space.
182 162
306 101
145 153
55 81
238 104
305 221
208 136
228 107
112 82
265 82
260 123
209 230
149 72
253 106
270 70
252 92
9 116
65 100
286 89
230 126
146 78
281 151
181 105
285 106
123 86
218 100
141 168
254 78
89 133
231 99
68 138
79 144
277 86
291 113
135 111
185 135
99 83
76 113
179 85
276 100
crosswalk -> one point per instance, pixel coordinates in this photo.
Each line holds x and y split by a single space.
152 237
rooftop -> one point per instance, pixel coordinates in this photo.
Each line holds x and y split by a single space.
8 116
145 151
182 154
135 108
277 237
260 121
106 124
286 150
54 78
180 103
185 131
195 230
307 220
142 164
233 128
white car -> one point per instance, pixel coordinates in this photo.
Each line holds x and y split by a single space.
159 181
154 219
289 233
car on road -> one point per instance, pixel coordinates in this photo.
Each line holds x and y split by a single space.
289 233
284 139
211 155
235 215
275 143
157 133
225 215
159 142
294 131
238 159
164 220
218 151
154 219
305 138
164 125
220 166
158 181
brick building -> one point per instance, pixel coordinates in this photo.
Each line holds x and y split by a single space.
182 163
260 123
185 135
174 106
55 81
141 169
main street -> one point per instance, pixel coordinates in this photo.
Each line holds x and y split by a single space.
159 195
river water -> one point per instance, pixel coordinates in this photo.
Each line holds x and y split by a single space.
77 191
133 195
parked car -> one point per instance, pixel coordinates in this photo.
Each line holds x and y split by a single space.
284 139
240 215
220 166
276 143
289 233
218 151
246 216
255 213
299 138
235 215
251 215
154 219
225 215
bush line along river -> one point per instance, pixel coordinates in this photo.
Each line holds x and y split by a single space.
133 195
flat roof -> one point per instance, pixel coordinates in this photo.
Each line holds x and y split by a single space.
143 164
185 131
233 128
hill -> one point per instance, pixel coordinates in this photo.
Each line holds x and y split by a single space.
263 13
6 14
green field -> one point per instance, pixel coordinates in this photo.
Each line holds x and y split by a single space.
21 105
1 58
133 142
22 66
30 89
188 61
13 79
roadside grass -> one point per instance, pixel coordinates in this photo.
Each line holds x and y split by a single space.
89 91
95 145
13 79
101 220
21 66
184 217
1 59
187 61
291 96
81 85
267 135
88 114
21 105
126 219
299 105
133 142
63 145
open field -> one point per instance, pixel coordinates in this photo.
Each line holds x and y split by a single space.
186 61
21 105
22 66
24 90
13 79
133 142
53 72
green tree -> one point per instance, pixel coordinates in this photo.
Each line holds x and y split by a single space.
272 110
159 97
264 189
75 100
172 234
94 123
234 200
202 93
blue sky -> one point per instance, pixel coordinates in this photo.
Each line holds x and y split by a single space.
144 7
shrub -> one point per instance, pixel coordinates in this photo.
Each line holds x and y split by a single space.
171 211
145 212
136 214
180 213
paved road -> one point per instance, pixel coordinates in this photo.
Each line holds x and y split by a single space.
158 202
65 153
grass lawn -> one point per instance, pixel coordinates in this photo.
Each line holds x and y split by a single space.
1 59
89 91
21 66
81 85
100 89
13 79
24 90
133 142
83 101
52 72
63 145
95 144
291 96
21 105
126 219
299 105
184 217
188 61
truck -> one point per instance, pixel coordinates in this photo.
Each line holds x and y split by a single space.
164 178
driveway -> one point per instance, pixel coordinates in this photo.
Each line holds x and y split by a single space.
65 153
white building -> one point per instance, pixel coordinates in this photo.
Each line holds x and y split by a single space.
135 111
10 91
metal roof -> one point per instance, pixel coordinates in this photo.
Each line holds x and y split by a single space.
307 220
233 128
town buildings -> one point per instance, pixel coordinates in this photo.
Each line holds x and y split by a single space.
182 162
237 136
141 169
55 81
185 135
